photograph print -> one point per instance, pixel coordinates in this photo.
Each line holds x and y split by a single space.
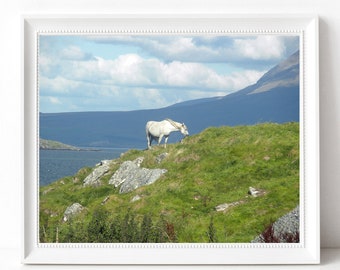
169 138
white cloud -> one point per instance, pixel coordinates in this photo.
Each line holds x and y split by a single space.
261 48
183 49
210 48
166 70
240 80
54 100
150 98
137 81
133 70
56 85
74 53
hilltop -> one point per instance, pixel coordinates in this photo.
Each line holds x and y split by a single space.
224 184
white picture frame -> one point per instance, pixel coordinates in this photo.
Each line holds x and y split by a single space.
305 252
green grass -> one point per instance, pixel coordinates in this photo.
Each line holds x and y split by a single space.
214 167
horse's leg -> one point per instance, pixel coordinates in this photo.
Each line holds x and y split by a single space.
149 139
152 138
160 139
165 140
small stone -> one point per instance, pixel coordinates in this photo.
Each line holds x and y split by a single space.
136 198
226 206
138 161
222 207
105 200
161 157
256 192
72 210
75 180
47 190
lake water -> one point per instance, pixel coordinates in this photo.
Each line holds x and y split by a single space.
55 164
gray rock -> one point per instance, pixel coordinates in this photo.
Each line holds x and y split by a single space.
256 192
72 210
48 190
161 157
105 200
222 207
125 172
131 176
287 225
136 198
138 161
93 179
141 177
226 206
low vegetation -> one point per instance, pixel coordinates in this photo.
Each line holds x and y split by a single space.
214 167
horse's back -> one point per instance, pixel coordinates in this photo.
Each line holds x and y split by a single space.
148 126
150 123
155 128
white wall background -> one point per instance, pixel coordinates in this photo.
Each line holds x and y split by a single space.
11 93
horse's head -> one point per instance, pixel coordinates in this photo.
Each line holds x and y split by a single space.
184 130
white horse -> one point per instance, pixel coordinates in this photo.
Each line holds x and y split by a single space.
158 130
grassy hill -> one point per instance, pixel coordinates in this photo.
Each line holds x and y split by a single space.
214 167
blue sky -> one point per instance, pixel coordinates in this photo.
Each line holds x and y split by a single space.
121 73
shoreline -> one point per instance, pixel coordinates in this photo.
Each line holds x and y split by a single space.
68 149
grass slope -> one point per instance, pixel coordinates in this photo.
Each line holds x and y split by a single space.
208 169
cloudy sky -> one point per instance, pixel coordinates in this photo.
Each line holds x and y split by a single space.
120 73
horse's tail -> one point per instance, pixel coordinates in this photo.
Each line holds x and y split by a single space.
148 134
147 126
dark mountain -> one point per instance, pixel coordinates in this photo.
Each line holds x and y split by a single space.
274 98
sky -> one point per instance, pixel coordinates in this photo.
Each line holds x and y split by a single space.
133 72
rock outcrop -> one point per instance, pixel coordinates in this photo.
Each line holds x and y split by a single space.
224 207
93 179
71 211
131 176
285 230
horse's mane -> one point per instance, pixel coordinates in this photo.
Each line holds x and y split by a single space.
172 122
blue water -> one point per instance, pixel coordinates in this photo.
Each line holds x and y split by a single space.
55 164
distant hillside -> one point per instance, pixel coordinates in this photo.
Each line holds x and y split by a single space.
274 98
54 145
204 194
